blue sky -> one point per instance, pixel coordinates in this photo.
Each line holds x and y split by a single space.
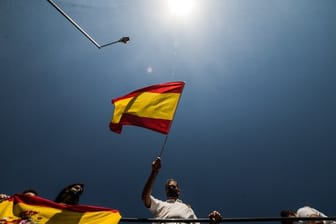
254 132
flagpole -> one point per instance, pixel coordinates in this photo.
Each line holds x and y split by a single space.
163 145
166 138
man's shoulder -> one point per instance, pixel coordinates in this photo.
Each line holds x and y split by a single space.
155 200
308 211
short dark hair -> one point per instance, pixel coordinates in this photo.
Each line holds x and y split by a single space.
287 213
170 180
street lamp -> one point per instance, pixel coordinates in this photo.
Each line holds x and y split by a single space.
121 40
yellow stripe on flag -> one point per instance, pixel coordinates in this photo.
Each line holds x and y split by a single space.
103 217
14 211
147 104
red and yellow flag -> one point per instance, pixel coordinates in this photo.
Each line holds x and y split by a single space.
22 209
151 107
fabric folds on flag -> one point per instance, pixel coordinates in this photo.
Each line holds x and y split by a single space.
151 107
22 209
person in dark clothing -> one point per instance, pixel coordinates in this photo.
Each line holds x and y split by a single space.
70 195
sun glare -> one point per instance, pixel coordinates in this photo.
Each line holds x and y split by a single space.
181 8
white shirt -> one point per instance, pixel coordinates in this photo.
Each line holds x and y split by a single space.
308 212
311 212
171 209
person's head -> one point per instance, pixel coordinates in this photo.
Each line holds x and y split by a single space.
70 195
288 214
172 189
30 192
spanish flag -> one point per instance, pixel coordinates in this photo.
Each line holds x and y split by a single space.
151 107
23 209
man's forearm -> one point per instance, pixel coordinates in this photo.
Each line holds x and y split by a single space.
147 191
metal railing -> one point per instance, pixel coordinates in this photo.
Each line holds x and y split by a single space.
247 219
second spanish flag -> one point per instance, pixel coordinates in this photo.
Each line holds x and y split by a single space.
151 107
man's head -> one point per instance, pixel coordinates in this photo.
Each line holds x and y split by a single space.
30 192
288 214
76 188
172 189
71 194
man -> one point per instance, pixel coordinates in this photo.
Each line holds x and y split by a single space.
4 197
29 192
70 195
288 214
25 215
306 212
173 207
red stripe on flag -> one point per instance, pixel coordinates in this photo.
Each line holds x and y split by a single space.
38 201
159 125
169 87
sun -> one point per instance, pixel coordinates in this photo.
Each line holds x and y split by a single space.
181 8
